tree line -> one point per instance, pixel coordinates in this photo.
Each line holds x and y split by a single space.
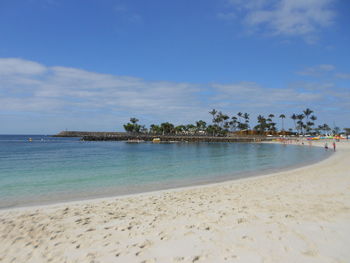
222 124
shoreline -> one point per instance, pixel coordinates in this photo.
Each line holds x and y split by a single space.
299 215
241 176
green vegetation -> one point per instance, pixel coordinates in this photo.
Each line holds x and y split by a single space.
223 125
134 127
282 116
347 131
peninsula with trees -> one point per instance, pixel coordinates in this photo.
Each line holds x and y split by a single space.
223 128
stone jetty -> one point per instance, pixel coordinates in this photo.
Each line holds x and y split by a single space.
122 136
87 133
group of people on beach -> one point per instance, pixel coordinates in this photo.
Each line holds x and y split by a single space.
326 146
298 141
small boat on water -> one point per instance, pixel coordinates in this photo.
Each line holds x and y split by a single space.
156 140
30 140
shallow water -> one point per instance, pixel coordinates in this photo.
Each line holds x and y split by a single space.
49 170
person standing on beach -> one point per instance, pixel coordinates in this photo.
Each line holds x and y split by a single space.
326 146
334 146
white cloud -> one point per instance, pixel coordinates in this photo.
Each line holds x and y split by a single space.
327 67
30 86
342 75
318 70
286 17
319 87
250 93
12 66
33 88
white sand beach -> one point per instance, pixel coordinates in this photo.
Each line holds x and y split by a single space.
300 215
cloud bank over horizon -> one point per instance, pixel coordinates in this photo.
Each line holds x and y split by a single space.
73 98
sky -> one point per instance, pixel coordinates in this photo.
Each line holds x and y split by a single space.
93 64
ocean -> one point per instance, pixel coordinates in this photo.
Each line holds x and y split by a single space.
50 170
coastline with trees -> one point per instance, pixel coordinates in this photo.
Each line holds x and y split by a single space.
240 124
223 128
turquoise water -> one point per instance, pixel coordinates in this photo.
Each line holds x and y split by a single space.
49 170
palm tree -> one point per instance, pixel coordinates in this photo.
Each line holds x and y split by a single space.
213 112
133 126
282 116
225 122
246 118
155 129
240 114
213 129
336 130
128 127
224 117
201 125
133 120
221 118
307 113
326 128
262 124
233 123
240 125
167 128
300 122
226 125
347 131
271 124
312 123
218 118
294 118
180 129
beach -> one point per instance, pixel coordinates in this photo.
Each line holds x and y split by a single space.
299 215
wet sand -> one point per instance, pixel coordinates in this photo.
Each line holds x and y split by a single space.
301 215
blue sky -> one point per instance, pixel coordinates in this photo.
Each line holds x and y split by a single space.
93 64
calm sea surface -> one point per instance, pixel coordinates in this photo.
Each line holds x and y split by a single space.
49 170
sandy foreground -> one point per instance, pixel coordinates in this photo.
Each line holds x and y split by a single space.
301 215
